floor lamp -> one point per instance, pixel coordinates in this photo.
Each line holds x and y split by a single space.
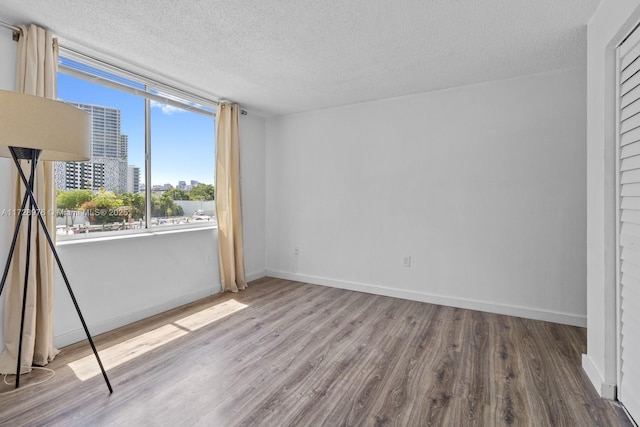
33 128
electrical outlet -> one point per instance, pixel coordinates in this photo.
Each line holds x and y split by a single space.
295 259
406 261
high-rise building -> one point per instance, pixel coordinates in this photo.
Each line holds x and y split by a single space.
133 179
106 130
79 175
107 168
123 147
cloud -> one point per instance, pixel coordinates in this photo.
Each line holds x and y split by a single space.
166 109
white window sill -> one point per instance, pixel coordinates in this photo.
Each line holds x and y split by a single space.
131 234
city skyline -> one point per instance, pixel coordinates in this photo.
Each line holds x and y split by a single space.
183 143
108 167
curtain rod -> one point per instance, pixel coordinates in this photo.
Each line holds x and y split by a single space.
16 35
73 54
133 74
16 31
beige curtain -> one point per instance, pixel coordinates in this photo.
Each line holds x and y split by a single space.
228 204
36 75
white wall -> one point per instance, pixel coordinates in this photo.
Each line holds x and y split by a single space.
610 23
8 55
252 170
483 186
119 281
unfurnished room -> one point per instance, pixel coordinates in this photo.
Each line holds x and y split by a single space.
320 213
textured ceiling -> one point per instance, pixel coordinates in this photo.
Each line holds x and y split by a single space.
287 56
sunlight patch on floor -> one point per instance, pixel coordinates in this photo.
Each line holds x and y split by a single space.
210 315
114 356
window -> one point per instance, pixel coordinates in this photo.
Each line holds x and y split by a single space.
152 161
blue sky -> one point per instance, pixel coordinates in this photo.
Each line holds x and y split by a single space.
182 142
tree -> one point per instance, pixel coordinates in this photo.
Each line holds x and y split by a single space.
177 194
72 199
105 208
134 203
202 192
164 205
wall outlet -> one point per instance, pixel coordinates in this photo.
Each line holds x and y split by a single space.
406 261
295 258
208 260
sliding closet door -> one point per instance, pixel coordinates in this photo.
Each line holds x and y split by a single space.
629 222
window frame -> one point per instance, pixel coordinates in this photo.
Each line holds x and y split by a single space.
88 68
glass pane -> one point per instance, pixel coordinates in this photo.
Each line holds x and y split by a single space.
66 62
105 193
182 166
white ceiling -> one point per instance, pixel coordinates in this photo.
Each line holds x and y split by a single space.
287 56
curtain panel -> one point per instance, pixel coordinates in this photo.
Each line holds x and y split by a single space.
228 200
37 68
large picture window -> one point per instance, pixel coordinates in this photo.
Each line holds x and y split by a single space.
152 162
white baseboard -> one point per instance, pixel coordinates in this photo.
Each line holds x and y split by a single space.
605 390
250 277
511 310
103 326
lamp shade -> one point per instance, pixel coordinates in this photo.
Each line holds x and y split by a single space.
61 131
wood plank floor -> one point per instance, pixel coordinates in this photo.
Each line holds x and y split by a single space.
284 353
